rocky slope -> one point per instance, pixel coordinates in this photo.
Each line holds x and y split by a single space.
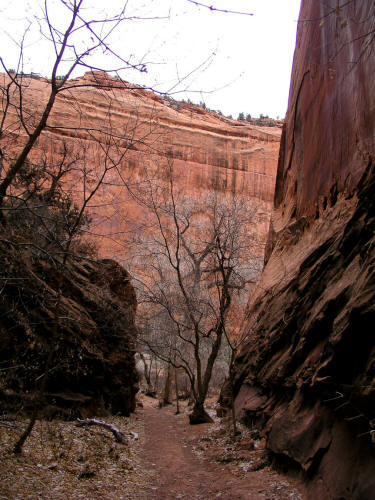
102 122
307 372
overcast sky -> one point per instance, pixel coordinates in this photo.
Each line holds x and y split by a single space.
231 62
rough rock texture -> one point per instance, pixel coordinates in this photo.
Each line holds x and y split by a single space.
307 372
144 131
88 328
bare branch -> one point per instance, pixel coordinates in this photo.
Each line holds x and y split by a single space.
215 9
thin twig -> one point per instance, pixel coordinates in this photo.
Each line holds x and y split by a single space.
215 9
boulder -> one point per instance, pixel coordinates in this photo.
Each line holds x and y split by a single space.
81 316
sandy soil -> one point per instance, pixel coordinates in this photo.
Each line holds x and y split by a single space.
168 459
61 461
179 473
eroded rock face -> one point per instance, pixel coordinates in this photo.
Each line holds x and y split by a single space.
141 132
87 328
307 373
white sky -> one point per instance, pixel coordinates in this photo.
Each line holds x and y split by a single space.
241 63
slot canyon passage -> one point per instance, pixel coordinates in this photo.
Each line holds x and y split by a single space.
163 265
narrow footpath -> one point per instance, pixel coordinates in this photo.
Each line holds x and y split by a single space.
180 474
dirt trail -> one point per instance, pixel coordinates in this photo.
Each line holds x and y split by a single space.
181 474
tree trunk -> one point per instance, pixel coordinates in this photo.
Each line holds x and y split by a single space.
17 449
176 390
231 383
167 387
199 415
156 382
150 391
233 409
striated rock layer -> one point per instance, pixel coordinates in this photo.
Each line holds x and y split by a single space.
102 122
307 372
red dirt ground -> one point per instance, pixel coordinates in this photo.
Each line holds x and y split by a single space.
181 474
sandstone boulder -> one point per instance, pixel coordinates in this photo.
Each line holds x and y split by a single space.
83 316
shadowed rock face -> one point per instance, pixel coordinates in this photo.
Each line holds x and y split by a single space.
307 373
89 330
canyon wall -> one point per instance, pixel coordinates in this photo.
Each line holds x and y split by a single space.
306 375
105 123
74 322
118 137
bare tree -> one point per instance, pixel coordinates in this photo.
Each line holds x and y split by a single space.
47 188
198 255
23 119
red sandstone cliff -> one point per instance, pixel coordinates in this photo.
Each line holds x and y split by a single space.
141 131
307 375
